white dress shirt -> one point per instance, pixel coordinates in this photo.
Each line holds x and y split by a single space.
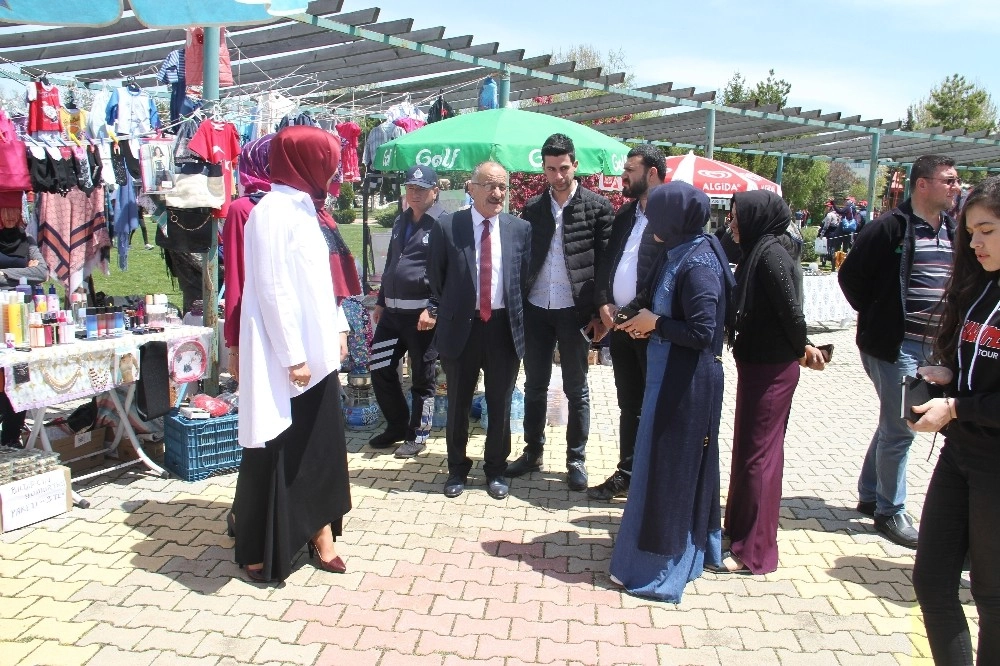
552 289
496 285
289 314
626 274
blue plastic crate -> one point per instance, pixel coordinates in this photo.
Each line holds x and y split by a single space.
197 448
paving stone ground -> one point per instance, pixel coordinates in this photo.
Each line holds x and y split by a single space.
146 575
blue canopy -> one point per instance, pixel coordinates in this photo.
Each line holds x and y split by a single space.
151 13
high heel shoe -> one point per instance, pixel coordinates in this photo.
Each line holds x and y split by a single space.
256 575
336 565
231 525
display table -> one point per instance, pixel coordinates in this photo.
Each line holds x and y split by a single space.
44 377
823 301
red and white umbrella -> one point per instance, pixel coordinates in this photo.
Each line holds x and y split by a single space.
716 179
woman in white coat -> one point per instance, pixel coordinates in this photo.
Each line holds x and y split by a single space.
293 487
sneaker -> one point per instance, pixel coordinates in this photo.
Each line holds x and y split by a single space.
148 246
576 475
385 439
525 464
615 486
409 450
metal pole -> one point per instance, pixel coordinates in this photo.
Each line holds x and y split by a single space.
873 172
906 185
210 264
503 90
781 169
710 134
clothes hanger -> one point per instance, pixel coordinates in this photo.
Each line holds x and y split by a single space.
131 84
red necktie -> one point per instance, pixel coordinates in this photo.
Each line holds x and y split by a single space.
485 274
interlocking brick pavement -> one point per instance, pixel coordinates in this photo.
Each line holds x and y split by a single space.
145 576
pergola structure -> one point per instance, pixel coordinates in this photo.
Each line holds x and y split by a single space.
344 60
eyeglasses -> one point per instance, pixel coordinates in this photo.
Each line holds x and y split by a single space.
493 186
948 181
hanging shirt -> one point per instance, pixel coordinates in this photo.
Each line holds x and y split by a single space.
379 135
349 133
194 58
74 122
170 69
553 290
43 108
218 143
97 124
488 94
132 113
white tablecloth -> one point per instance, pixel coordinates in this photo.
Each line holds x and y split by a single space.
822 300
85 368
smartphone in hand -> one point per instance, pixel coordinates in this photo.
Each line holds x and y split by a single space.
624 314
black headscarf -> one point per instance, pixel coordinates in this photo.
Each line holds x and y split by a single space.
761 217
14 242
677 213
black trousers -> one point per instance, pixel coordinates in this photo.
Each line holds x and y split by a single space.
961 515
13 423
395 335
490 348
628 359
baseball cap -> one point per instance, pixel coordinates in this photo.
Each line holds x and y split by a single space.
421 176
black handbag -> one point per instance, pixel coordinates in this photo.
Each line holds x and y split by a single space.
187 230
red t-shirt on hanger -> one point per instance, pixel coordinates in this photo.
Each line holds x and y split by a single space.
218 143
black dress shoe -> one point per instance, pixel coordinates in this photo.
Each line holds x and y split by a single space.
576 475
526 463
897 529
386 438
615 486
454 486
867 508
497 488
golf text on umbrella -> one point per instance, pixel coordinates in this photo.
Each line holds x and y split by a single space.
426 158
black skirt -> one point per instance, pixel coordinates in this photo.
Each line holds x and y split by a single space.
298 482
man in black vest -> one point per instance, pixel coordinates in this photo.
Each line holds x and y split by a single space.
623 272
570 226
401 323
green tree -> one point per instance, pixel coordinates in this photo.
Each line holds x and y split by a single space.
769 91
955 103
803 181
840 179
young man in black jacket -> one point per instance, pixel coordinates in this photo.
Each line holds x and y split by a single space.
401 323
895 277
623 271
570 226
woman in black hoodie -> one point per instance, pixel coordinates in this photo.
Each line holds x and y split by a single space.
962 510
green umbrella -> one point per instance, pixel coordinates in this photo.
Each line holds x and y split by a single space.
511 137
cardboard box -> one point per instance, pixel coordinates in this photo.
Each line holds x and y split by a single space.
34 499
71 448
125 452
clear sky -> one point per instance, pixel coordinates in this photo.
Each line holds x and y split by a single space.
862 57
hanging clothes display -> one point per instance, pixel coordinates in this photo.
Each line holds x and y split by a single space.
404 110
72 231
440 110
488 94
349 133
14 176
172 72
194 58
43 108
301 118
131 112
387 131
218 143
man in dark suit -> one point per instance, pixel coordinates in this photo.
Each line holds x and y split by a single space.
477 268
626 264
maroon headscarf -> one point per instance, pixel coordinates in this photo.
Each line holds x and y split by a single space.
305 158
